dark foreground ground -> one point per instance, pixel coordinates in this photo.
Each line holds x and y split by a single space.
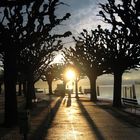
78 120
39 118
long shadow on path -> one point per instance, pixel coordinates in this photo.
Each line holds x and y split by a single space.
112 122
90 121
122 115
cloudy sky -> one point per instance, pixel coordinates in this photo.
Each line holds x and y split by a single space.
83 16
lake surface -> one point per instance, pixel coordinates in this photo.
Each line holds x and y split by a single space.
105 87
105 84
106 91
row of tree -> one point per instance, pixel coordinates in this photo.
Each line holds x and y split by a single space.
27 45
28 42
114 50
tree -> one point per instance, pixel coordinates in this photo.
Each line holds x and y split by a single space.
123 40
121 56
33 62
52 72
89 56
124 14
1 72
24 27
1 79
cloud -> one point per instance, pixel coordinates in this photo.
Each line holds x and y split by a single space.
86 18
83 16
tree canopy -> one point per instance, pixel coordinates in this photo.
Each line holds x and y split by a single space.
124 14
89 56
27 39
122 41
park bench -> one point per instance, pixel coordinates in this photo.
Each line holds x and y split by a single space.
133 103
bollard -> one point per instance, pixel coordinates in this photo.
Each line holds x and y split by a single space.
24 123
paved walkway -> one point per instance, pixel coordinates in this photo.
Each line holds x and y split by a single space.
84 120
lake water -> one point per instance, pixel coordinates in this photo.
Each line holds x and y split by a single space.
105 88
106 91
105 83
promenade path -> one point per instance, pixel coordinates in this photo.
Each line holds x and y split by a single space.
85 120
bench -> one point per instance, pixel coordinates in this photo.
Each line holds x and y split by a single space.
133 103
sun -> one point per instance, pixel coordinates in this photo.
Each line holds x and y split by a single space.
70 74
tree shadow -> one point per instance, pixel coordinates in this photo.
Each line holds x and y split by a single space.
46 122
69 102
90 121
122 115
117 113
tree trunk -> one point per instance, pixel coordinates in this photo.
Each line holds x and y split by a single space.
30 91
64 88
93 95
76 88
25 88
117 89
0 88
19 89
10 88
50 87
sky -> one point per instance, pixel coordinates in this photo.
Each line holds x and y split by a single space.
83 16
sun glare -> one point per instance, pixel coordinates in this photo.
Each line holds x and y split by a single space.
70 74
